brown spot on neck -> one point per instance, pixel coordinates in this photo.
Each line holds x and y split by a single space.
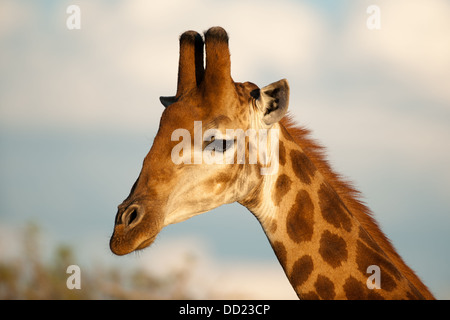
300 218
356 290
282 186
333 249
324 287
301 270
333 209
303 168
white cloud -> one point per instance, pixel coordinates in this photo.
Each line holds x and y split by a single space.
145 44
112 71
413 44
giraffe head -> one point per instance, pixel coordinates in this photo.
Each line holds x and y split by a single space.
207 151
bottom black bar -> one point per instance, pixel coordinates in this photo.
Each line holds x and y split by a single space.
221 309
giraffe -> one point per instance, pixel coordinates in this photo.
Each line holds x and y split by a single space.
323 235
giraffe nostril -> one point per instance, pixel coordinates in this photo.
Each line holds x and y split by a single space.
130 216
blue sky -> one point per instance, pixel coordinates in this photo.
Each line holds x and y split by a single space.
79 110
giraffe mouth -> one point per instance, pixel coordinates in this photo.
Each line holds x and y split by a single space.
144 244
120 248
122 242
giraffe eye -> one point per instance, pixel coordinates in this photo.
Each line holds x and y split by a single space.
219 145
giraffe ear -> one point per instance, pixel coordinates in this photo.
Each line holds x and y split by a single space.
272 101
167 101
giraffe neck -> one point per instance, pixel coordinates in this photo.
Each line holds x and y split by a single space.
323 248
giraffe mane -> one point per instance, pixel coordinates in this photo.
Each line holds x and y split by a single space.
351 198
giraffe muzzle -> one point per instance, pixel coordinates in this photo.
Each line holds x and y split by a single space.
132 230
